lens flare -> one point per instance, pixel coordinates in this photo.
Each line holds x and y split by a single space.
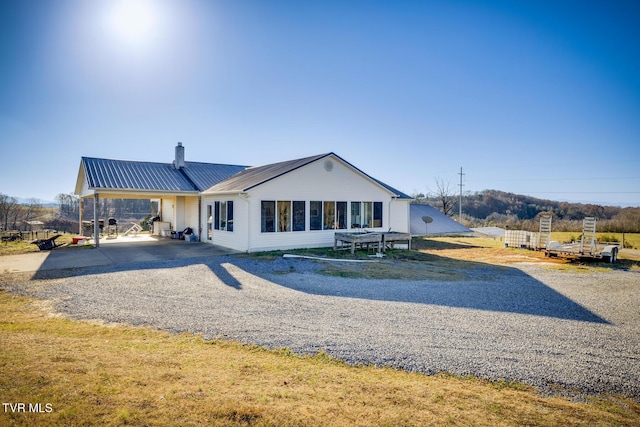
134 22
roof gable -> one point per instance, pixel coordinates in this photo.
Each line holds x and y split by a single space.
255 176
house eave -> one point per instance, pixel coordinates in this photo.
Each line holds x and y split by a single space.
140 193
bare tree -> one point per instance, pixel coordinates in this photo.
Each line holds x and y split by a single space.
8 206
31 210
446 196
69 205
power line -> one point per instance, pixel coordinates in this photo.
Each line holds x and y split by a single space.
461 185
555 179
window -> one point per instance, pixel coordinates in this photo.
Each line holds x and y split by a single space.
356 215
209 222
377 214
366 214
329 217
298 216
315 215
341 215
284 216
230 215
223 215
216 217
267 216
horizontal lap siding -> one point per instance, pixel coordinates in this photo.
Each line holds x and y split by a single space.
167 210
310 183
399 212
236 239
191 213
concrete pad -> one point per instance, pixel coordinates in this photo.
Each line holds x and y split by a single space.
23 262
116 251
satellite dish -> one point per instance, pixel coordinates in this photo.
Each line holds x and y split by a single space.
427 220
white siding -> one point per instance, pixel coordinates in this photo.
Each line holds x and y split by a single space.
309 183
400 216
167 210
239 237
179 214
191 214
314 183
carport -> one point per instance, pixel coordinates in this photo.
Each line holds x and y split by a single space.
175 209
175 186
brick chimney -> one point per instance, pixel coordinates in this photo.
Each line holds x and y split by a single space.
179 161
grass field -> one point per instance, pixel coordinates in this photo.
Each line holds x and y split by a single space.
25 246
89 373
84 373
630 240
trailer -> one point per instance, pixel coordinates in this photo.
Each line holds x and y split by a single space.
586 248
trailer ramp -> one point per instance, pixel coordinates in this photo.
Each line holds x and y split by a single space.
544 236
587 247
588 240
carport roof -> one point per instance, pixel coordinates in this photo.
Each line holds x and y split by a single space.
441 224
126 175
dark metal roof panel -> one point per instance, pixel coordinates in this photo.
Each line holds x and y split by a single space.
130 175
399 194
206 175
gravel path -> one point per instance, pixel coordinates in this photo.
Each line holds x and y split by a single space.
579 331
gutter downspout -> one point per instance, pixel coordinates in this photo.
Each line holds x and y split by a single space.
389 215
199 218
81 214
245 197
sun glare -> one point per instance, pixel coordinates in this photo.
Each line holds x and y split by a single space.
134 22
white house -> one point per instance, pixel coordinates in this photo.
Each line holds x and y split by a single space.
291 204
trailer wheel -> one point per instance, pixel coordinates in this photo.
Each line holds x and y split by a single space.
613 258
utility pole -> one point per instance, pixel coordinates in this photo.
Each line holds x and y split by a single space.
461 185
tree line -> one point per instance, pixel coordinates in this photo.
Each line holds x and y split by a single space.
480 209
15 216
66 217
516 211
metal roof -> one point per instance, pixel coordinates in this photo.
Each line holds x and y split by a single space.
441 224
490 231
205 175
127 175
254 176
111 174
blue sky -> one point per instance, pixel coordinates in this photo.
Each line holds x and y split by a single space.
539 98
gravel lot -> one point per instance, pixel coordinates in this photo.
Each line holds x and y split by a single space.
564 332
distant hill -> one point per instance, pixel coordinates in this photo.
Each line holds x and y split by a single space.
499 208
43 203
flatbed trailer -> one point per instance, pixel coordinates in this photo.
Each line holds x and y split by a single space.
607 253
586 248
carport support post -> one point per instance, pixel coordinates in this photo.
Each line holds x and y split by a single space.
96 221
81 202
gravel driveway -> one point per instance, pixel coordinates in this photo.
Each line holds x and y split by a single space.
543 327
